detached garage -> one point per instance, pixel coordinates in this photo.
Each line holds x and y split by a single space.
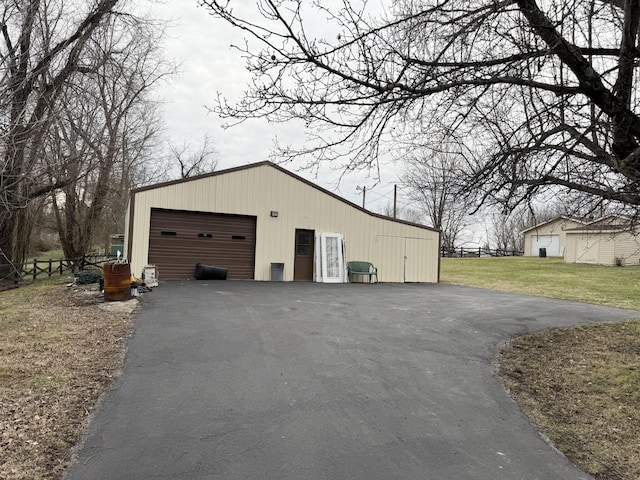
611 240
550 235
261 221
177 237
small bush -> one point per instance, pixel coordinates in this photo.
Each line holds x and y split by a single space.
88 276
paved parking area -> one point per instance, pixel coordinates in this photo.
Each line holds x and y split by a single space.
248 380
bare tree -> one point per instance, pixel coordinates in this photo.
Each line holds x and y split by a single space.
434 183
504 231
403 213
41 53
541 93
101 140
194 161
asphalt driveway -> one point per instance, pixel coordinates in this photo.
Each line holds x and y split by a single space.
248 380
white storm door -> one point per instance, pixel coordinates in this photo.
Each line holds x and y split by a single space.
330 258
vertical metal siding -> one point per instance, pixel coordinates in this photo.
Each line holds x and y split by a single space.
570 251
606 251
259 190
603 248
557 227
627 247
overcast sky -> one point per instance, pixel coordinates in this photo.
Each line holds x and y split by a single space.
201 44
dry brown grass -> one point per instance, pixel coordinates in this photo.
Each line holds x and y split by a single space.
581 386
58 353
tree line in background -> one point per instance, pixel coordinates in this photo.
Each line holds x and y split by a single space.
79 125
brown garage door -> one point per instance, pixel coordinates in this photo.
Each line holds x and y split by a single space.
178 240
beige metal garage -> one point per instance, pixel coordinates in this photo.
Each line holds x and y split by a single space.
611 240
549 235
259 219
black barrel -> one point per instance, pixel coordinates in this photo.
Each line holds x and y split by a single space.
209 272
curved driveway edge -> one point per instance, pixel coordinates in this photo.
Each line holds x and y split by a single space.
248 380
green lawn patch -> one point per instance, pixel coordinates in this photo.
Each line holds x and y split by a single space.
548 277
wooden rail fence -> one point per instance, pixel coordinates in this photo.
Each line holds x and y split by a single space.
477 252
34 269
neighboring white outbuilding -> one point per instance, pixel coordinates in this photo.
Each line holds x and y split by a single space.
259 221
611 240
550 235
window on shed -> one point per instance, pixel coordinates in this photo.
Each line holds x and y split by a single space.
303 245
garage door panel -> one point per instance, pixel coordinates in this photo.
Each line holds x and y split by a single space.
550 242
178 240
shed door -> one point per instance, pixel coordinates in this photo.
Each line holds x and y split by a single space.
587 249
179 239
417 252
550 242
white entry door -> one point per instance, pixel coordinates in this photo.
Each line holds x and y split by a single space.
330 258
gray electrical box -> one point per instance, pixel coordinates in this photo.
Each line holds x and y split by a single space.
277 272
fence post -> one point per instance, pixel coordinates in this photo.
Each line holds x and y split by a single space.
60 266
50 263
35 268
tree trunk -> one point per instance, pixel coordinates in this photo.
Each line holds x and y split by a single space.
7 223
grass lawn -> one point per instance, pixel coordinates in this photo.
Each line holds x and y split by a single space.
579 385
58 353
548 277
48 255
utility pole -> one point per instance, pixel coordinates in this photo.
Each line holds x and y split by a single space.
395 199
364 194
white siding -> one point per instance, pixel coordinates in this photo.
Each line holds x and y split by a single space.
570 248
553 227
260 189
627 247
603 247
587 248
551 243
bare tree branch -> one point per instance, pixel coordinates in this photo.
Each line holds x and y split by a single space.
542 94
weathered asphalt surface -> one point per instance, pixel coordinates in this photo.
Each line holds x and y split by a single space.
243 380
